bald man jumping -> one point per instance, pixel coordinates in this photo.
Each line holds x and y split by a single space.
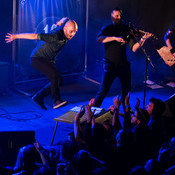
43 57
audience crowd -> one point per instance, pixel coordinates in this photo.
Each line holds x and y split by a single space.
143 144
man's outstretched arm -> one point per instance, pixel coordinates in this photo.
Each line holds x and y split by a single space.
11 37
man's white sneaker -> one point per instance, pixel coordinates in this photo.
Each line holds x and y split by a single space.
59 103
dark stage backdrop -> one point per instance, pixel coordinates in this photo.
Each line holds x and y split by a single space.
41 16
6 11
6 26
153 16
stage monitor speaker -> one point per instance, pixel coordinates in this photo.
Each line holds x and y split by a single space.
10 142
4 70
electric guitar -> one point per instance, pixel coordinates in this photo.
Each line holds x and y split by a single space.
166 55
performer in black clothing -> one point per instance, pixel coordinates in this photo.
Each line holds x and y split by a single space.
115 36
170 38
43 57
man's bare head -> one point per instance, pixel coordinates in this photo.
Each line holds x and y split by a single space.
70 29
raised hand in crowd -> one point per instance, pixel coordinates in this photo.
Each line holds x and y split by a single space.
116 105
117 102
127 105
111 108
82 110
115 119
42 155
91 102
89 113
137 104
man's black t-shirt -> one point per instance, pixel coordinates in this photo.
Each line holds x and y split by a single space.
50 44
172 28
116 51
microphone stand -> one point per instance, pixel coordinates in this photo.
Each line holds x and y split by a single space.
147 60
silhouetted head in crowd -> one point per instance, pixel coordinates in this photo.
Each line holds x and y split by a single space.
155 108
67 150
140 116
143 115
152 167
166 156
109 130
125 138
99 132
85 164
138 170
30 157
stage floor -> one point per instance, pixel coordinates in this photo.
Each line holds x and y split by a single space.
19 113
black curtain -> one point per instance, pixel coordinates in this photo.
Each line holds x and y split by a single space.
6 13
